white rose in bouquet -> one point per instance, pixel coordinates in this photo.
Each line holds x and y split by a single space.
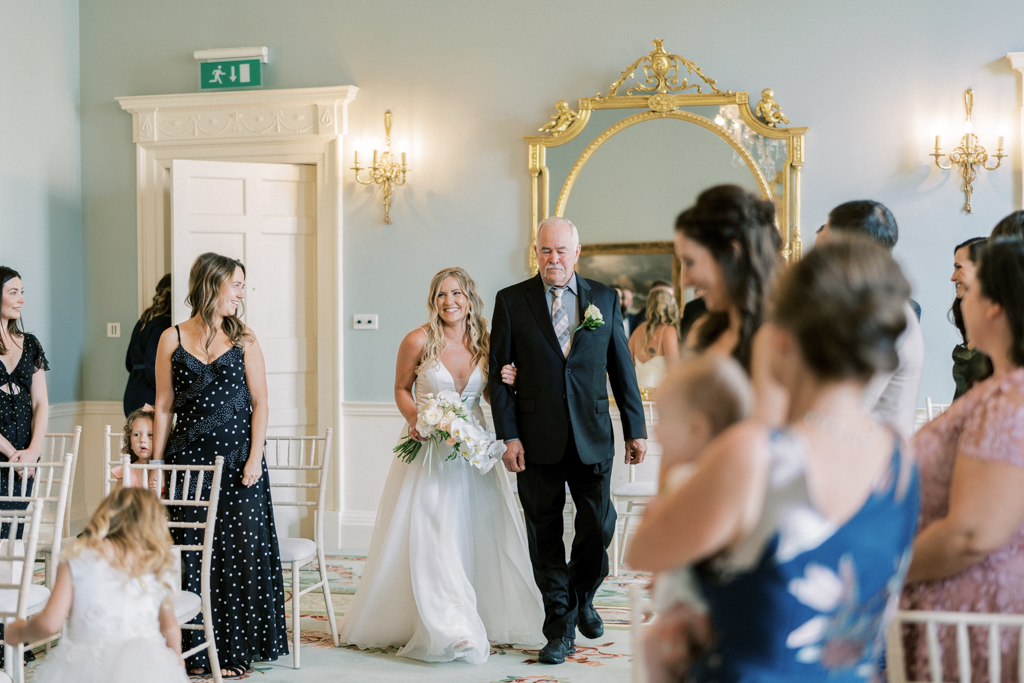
446 422
425 430
432 414
448 396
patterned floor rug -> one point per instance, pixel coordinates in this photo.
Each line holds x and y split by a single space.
607 659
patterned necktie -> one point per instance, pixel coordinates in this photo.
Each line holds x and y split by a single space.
560 319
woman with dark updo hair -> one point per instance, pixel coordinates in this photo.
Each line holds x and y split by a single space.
968 556
140 361
729 249
970 366
801 535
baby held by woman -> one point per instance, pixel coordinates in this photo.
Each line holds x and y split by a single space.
697 401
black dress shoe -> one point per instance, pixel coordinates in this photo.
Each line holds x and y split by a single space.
589 621
556 650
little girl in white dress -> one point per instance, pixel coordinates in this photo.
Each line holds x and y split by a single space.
114 582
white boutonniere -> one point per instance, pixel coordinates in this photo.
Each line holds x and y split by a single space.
592 319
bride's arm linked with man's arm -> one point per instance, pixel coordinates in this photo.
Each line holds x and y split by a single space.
502 395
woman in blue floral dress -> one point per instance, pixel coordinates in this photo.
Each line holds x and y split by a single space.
801 536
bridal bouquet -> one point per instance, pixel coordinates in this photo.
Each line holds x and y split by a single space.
444 419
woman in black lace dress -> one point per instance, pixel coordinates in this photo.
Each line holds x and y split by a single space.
23 404
210 373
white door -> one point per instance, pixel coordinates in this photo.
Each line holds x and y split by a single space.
264 215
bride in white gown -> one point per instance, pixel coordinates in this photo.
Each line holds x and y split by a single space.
448 570
655 342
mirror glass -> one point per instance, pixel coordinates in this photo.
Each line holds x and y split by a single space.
635 184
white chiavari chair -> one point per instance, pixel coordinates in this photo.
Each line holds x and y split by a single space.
55 445
50 484
19 597
187 604
298 468
933 410
635 494
112 442
639 610
995 624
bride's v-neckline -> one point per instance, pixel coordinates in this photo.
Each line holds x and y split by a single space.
452 376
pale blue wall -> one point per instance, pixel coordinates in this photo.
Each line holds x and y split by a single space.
40 184
467 79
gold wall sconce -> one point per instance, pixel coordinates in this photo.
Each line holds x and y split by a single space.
969 154
385 171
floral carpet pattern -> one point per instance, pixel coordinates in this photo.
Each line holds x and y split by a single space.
611 652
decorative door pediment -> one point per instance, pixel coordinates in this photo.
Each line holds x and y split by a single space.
300 114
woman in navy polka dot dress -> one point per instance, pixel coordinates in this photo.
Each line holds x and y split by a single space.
210 373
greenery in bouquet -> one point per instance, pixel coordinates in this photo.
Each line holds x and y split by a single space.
444 419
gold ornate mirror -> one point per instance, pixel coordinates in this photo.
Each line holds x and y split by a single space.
626 162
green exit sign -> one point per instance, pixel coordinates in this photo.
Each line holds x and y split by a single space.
230 73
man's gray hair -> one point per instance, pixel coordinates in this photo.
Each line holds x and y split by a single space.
558 220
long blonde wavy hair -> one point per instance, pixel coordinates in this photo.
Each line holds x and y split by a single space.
477 339
662 309
205 280
161 301
129 529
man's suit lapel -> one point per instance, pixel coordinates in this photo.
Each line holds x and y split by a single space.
537 299
582 301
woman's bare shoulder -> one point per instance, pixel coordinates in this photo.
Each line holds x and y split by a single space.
415 341
740 446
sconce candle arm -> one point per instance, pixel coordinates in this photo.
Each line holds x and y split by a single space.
385 170
969 154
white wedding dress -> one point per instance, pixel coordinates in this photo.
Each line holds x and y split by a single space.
113 632
448 570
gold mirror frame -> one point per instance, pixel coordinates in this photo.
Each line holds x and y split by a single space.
663 90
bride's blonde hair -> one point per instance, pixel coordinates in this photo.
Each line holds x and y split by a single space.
477 339
129 530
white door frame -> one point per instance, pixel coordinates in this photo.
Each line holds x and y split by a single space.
298 126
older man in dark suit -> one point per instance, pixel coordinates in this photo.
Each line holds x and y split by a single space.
557 427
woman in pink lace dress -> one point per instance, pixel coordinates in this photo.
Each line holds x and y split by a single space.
969 552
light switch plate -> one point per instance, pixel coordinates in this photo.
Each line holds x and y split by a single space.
113 329
364 321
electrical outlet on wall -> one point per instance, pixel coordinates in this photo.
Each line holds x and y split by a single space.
113 329
364 321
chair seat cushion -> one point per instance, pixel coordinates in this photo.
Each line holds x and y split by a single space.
186 606
296 549
636 489
37 597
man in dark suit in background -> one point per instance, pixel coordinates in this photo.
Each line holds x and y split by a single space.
557 427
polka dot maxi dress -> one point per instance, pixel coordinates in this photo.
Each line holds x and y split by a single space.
214 409
16 407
